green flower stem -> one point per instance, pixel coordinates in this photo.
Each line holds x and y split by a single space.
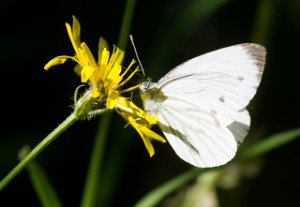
32 154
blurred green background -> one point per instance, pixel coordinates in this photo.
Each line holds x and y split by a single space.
166 34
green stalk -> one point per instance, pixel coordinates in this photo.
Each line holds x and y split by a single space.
35 151
126 23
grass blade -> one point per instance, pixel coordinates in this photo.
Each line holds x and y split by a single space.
94 171
42 185
268 144
155 196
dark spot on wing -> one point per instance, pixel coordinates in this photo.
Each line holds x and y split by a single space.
241 78
222 99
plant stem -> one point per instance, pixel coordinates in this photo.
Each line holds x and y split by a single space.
71 119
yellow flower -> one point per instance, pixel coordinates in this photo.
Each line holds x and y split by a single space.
106 77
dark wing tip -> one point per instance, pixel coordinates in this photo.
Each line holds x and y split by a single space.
258 53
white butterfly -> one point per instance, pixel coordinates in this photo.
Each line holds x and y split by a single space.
201 103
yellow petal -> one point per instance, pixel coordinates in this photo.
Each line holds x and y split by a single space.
95 92
112 99
89 58
86 72
104 57
151 119
74 43
115 72
114 77
76 30
148 145
151 134
116 57
101 45
57 61
139 112
120 56
146 140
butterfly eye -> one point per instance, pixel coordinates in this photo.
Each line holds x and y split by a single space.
148 83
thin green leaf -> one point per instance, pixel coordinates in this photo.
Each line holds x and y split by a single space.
114 165
155 196
126 24
42 185
268 144
94 171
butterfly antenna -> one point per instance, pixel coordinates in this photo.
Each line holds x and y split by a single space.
136 54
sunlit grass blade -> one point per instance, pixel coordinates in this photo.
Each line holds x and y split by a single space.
42 185
154 197
268 144
95 166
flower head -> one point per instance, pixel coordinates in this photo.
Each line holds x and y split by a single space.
106 77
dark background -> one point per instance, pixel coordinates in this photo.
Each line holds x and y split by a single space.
33 101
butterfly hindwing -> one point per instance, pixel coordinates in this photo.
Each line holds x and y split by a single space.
195 135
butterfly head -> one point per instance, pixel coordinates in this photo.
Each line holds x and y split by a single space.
146 84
